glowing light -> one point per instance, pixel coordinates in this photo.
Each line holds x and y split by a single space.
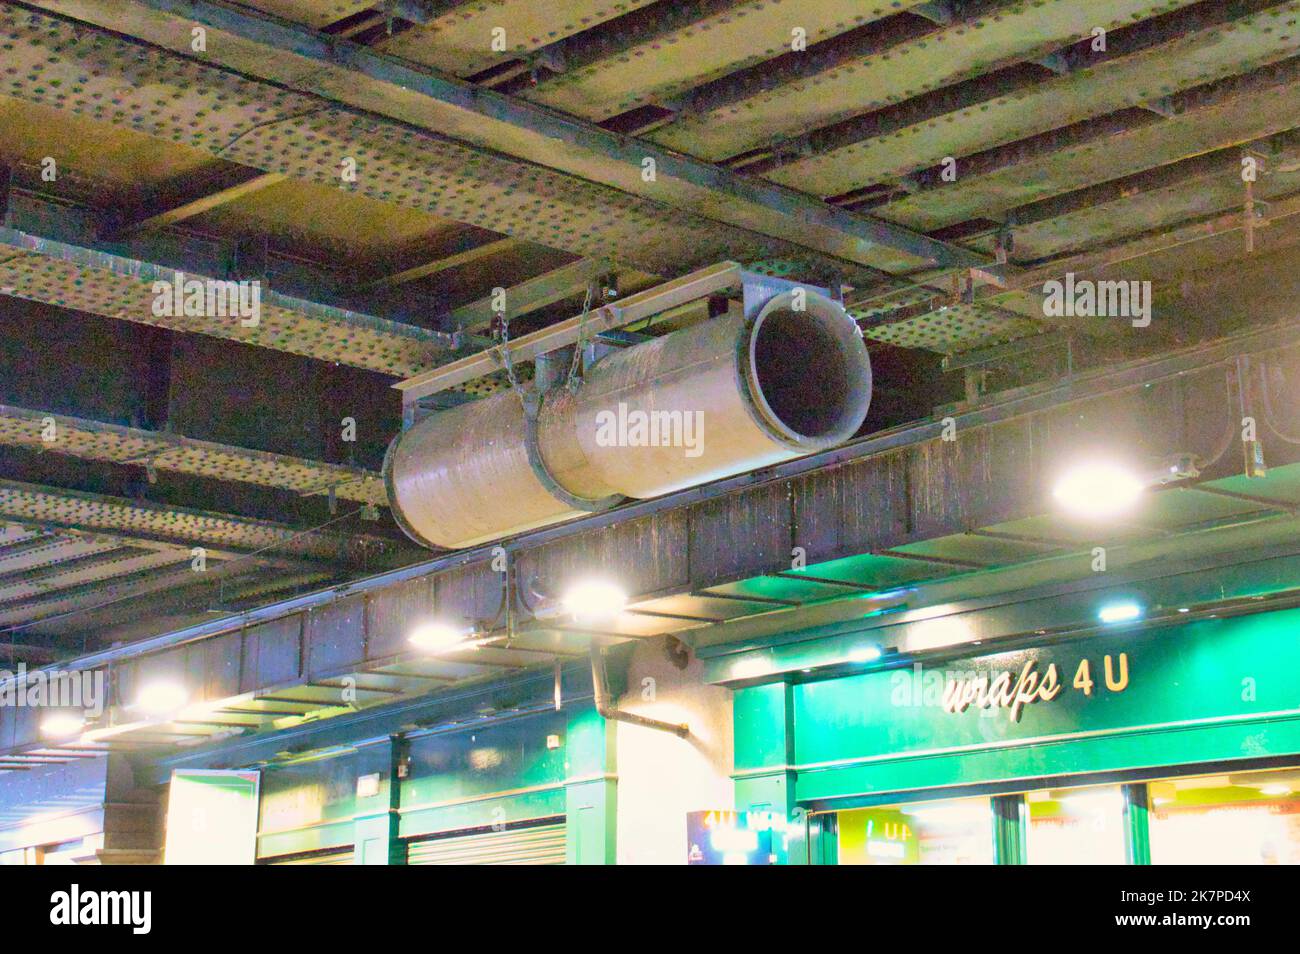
1119 612
162 698
62 724
864 654
593 600
1098 490
1275 789
435 635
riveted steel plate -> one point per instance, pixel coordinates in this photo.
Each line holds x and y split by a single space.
730 37
90 595
125 445
757 111
72 277
1226 113
32 504
1146 212
315 13
1125 81
44 549
74 571
459 39
953 329
267 127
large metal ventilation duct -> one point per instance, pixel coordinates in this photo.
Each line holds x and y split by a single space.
721 397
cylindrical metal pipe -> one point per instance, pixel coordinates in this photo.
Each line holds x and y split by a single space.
718 398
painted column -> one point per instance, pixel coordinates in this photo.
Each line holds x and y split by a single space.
823 840
377 816
1137 824
1010 830
765 776
591 790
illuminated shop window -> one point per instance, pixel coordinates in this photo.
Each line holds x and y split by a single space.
951 832
1251 818
1076 826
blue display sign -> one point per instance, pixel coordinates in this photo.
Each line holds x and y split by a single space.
722 837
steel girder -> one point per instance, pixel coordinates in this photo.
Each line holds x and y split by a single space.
455 37
94 513
662 53
558 181
48 255
835 81
1142 64
1217 115
94 440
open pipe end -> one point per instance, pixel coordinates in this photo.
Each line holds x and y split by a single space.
807 371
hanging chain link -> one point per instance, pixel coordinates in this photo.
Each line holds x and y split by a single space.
575 366
506 361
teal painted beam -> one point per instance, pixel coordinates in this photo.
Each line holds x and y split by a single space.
1010 830
1161 589
1137 824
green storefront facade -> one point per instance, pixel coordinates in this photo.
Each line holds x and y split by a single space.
1114 708
537 786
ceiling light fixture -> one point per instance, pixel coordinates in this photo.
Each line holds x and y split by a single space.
1098 490
594 600
161 698
438 636
61 725
1119 612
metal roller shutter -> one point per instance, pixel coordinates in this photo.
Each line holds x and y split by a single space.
341 856
532 845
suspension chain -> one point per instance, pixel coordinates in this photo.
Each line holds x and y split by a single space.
575 366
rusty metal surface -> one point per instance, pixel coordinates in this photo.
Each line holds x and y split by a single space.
675 49
757 111
94 440
1186 59
66 508
1235 110
459 40
60 274
305 137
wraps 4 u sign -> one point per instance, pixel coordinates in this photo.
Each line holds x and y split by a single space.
1012 691
1202 691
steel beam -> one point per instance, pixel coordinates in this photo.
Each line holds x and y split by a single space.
1142 62
340 79
472 252
94 440
605 70
707 281
227 186
172 526
1213 116
898 58
47 256
451 33
527 296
